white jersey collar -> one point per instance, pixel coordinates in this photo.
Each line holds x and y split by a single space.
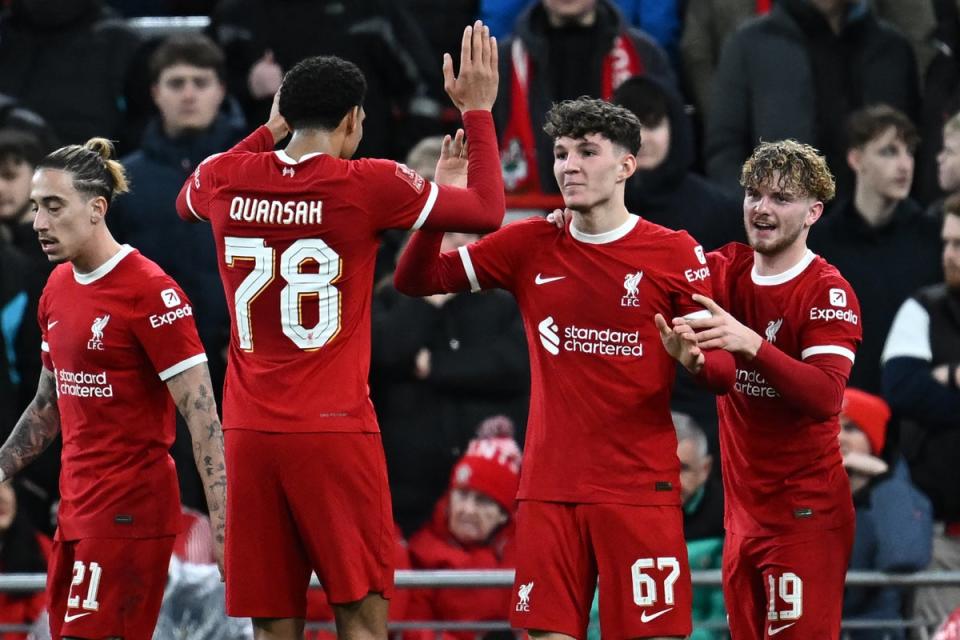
784 276
104 269
607 236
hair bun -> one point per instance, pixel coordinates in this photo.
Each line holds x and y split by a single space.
100 146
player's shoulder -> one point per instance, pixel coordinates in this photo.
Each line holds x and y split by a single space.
147 274
61 275
386 173
730 257
823 279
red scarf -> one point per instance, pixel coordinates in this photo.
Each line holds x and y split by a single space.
518 147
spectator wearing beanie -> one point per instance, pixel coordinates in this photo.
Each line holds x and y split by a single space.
894 519
472 528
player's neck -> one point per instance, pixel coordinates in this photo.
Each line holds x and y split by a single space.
601 218
314 141
95 254
777 263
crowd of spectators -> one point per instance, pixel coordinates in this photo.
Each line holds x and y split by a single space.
873 84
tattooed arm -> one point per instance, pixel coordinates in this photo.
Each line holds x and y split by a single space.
193 393
34 431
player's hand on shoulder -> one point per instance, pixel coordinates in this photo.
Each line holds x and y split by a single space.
560 217
475 87
722 331
452 165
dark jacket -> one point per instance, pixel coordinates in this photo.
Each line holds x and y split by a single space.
673 196
894 533
377 35
146 218
479 368
584 78
786 75
67 61
926 334
883 265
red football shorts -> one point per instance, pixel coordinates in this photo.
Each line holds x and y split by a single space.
789 587
638 552
298 502
107 587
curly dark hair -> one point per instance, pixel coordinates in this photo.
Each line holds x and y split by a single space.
585 115
803 170
319 91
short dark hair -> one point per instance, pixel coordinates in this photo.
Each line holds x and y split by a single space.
194 49
18 146
645 98
585 115
869 122
319 91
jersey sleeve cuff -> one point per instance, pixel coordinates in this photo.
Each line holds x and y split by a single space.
182 366
427 207
827 349
468 268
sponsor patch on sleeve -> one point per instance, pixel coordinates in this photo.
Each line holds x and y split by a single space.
411 177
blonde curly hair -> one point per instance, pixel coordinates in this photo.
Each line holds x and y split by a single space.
800 169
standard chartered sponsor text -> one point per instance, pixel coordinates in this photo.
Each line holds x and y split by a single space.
602 342
752 384
276 211
83 384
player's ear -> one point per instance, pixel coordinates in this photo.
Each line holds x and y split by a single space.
814 212
98 209
628 165
854 158
353 119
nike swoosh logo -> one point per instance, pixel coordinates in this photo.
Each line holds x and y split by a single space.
69 618
645 618
771 631
51 325
541 280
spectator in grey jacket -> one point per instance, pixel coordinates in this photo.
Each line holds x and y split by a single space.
798 72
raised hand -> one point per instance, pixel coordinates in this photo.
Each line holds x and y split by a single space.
475 87
277 123
681 343
723 331
452 165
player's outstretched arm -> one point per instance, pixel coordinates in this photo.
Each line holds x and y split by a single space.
34 431
480 206
423 271
192 391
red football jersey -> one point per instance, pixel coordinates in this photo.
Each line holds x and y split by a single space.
599 428
782 471
298 243
112 338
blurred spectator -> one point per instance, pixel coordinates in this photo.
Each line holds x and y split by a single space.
659 18
194 122
894 520
879 239
52 52
941 95
16 117
262 39
950 629
706 26
663 190
948 164
798 72
920 381
472 528
23 272
561 50
462 356
702 495
22 550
